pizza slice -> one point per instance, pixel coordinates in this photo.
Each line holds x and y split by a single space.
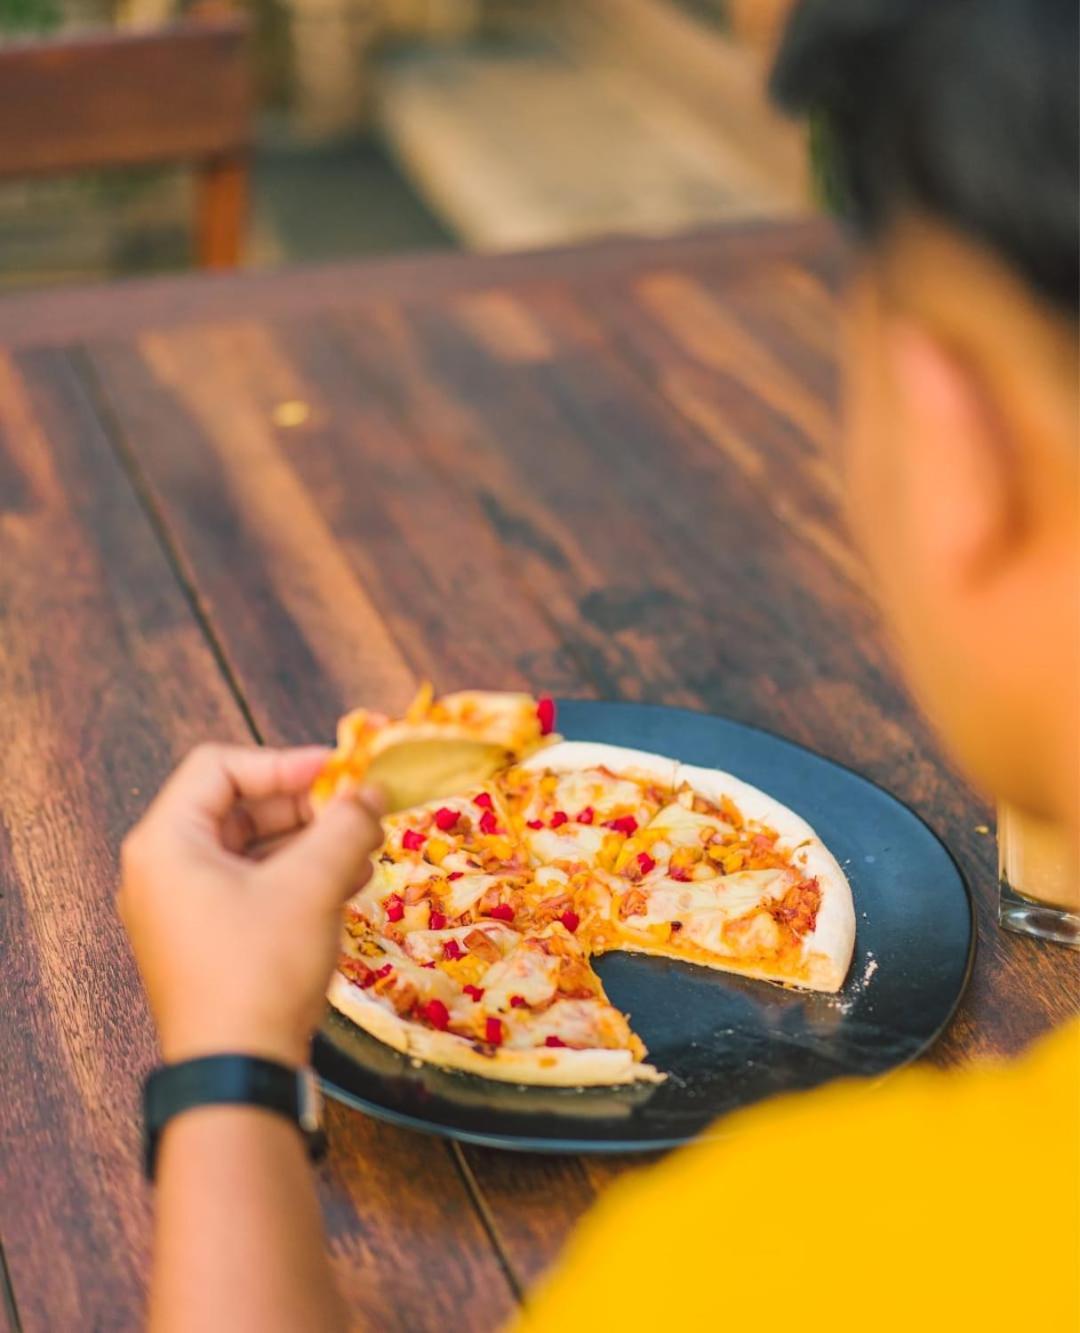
727 877
488 999
439 748
451 861
574 805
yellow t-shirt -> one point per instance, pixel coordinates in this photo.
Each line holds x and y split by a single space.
934 1203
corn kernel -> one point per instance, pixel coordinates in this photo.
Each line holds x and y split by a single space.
437 851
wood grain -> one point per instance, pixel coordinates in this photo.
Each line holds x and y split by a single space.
107 679
604 472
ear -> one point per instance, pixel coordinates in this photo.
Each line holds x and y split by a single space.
960 497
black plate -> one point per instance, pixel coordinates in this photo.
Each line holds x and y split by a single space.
724 1042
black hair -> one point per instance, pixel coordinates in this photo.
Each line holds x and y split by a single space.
964 110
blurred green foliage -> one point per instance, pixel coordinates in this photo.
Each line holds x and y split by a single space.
826 172
29 16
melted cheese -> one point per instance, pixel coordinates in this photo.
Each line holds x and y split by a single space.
721 899
462 893
430 983
583 1023
395 877
571 842
680 827
426 946
551 878
574 791
527 971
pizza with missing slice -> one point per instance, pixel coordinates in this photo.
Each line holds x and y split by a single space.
470 945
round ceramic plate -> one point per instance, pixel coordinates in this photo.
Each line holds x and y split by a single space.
723 1041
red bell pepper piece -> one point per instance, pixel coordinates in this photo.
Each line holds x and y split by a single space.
437 1014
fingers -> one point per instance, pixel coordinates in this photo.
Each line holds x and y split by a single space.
330 859
251 821
213 778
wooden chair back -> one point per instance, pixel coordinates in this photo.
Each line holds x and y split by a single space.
180 93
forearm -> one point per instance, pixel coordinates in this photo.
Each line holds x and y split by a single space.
239 1241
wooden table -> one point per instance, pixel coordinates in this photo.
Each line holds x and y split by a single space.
601 472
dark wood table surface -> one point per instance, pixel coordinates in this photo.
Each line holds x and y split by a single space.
602 472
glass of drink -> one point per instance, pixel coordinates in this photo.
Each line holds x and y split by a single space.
1038 878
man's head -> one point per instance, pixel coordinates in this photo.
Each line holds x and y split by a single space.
949 130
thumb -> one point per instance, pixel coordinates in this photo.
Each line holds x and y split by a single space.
330 860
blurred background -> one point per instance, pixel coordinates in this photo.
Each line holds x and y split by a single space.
145 136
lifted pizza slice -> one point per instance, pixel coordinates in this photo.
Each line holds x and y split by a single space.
439 748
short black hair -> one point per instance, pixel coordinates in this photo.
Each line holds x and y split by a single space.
964 110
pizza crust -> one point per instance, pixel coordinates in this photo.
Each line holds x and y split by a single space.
553 1067
572 756
827 950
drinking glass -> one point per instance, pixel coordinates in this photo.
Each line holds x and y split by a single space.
1038 878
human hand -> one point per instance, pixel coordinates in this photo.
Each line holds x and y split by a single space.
231 895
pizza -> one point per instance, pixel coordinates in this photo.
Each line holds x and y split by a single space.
471 944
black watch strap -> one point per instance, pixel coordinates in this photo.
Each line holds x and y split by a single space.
231 1080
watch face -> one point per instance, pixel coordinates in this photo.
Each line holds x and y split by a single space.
309 1102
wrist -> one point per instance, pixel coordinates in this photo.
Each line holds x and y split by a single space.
230 1081
191 1043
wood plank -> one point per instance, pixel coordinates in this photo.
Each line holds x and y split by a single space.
533 1203
180 92
125 308
107 680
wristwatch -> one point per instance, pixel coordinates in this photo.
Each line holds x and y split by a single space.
231 1080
